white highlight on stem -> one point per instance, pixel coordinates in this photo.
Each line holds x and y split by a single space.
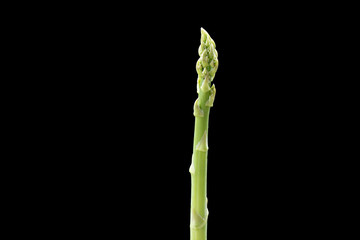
205 86
203 143
192 169
198 85
197 110
198 221
210 101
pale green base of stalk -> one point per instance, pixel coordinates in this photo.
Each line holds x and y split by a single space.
199 234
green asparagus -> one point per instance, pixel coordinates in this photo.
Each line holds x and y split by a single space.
206 68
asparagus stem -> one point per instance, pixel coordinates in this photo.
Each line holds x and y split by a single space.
206 68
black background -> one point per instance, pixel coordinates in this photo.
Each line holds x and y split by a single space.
119 124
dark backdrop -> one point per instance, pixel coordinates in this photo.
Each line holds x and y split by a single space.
124 88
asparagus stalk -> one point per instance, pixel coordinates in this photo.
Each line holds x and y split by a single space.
206 68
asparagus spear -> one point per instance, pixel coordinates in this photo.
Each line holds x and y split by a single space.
206 68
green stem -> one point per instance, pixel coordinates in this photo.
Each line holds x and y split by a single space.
206 67
198 183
